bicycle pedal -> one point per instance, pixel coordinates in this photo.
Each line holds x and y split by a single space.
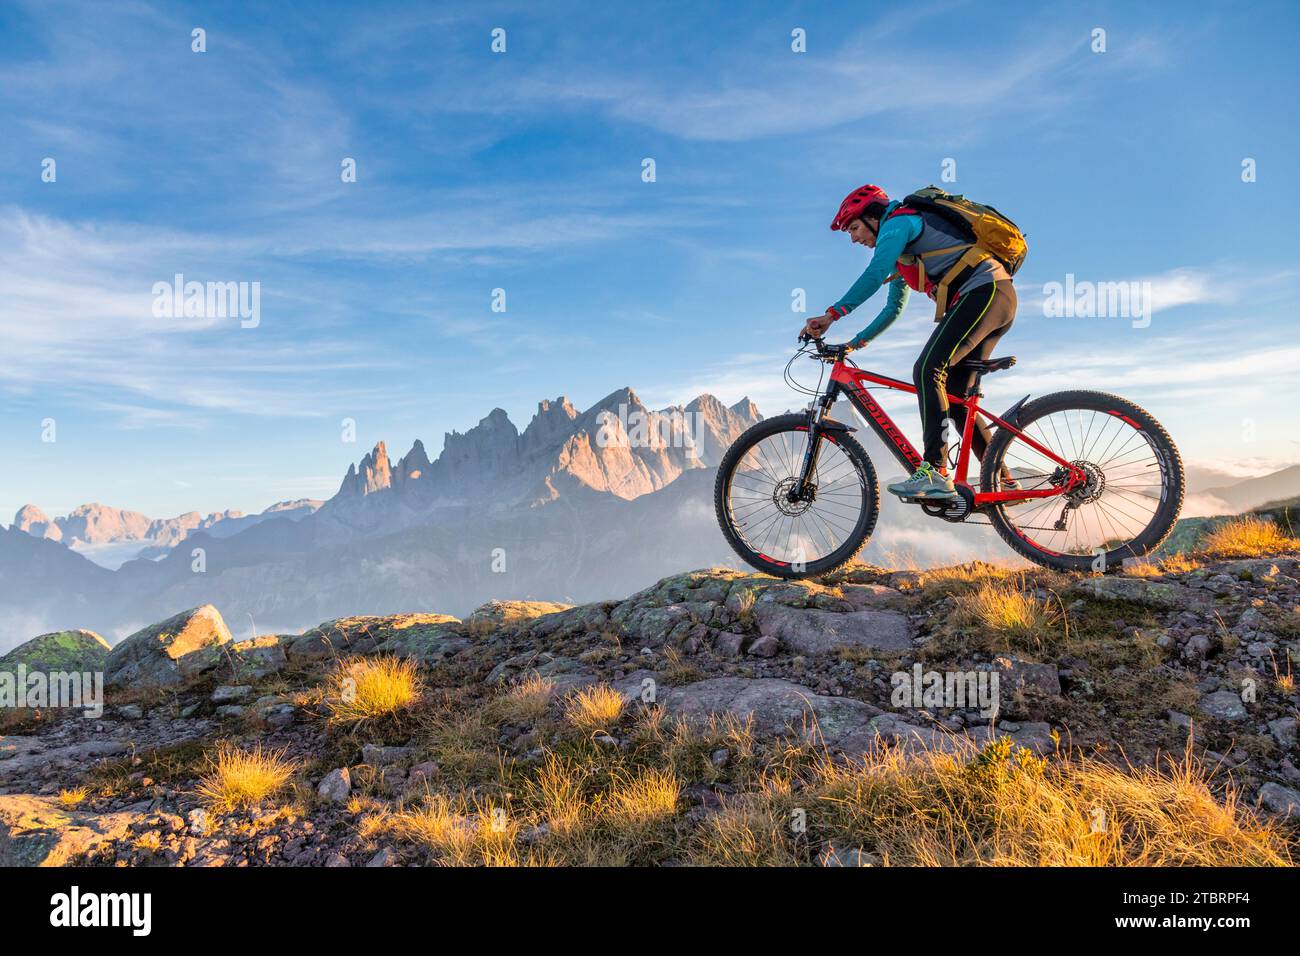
935 500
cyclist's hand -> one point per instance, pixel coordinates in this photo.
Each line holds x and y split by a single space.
817 325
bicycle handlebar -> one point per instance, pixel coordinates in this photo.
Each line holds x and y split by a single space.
825 351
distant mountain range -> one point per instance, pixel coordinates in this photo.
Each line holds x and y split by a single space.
110 536
577 504
1256 492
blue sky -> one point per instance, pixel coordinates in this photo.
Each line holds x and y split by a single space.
522 171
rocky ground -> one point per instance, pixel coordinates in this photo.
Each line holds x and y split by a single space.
1192 657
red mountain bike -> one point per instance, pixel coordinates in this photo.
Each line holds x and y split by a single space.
1099 480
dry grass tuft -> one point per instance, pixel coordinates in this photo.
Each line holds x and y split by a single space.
458 833
370 688
997 807
526 702
244 778
1176 563
1247 537
649 795
1006 612
73 797
594 708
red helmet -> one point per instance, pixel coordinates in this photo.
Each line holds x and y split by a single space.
855 203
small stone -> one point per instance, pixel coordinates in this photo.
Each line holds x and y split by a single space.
765 647
226 693
727 644
130 711
337 859
536 834
1284 731
378 756
1223 705
1180 720
231 710
385 857
1196 647
1281 800
336 786
422 772
831 857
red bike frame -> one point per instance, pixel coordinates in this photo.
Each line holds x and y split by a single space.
853 382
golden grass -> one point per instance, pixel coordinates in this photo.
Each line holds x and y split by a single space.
371 687
650 794
594 708
526 702
998 808
458 833
1247 537
244 778
745 607
150 841
73 797
1006 612
960 578
594 806
1176 563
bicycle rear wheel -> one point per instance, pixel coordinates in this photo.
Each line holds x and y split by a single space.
795 538
1125 509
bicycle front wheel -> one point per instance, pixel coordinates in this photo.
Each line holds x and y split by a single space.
1125 509
795 538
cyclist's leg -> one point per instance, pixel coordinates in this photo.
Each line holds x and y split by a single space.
974 316
981 346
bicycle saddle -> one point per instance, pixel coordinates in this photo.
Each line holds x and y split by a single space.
984 366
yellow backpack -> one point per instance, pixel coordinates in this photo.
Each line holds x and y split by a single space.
987 233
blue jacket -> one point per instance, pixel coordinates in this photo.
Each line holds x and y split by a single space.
894 236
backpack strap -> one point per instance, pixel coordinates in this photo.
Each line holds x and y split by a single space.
973 256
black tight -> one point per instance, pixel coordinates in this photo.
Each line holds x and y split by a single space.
970 329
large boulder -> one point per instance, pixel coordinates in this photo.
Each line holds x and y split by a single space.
257 657
37 831
21 756
364 635
494 614
824 632
1154 593
774 706
170 653
60 651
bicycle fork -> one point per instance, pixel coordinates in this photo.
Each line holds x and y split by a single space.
804 488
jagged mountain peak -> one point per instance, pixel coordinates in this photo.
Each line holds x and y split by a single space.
375 473
617 446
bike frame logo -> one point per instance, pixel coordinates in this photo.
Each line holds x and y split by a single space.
886 424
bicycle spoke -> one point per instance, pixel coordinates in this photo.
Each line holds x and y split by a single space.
764 515
1120 497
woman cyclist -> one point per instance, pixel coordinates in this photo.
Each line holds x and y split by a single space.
916 249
